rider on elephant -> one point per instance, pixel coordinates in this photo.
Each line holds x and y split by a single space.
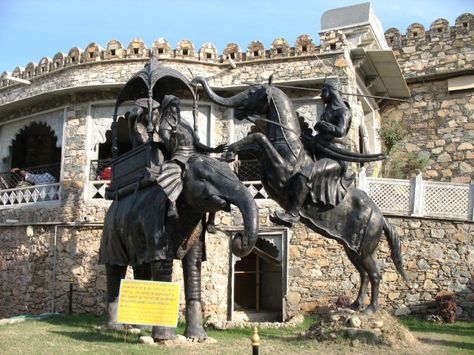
326 179
181 143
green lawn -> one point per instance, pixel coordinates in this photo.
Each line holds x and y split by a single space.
82 334
457 338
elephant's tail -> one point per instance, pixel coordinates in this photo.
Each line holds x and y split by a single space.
395 247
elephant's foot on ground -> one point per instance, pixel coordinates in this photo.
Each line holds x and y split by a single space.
116 326
163 333
194 328
112 317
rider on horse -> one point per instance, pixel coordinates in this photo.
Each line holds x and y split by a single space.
326 179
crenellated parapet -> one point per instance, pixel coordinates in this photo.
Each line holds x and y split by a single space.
232 51
184 50
333 40
280 48
439 30
437 49
114 50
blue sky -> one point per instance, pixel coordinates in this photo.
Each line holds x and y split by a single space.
32 29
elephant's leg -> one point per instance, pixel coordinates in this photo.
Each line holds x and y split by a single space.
162 271
142 272
370 266
364 278
114 274
192 290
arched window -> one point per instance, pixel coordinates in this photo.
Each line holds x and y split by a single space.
34 149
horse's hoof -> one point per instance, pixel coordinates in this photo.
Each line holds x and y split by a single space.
369 310
229 157
355 306
211 228
284 218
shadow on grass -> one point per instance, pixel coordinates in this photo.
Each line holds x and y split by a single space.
447 343
81 320
97 336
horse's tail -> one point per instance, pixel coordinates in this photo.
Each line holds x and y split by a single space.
395 247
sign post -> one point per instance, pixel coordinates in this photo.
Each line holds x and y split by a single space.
148 303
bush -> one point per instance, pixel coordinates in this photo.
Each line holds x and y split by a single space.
342 302
446 306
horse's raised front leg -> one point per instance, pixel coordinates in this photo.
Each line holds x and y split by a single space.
192 289
162 271
261 141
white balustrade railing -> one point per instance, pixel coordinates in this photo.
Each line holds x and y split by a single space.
29 194
420 198
415 197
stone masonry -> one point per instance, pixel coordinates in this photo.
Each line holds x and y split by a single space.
440 122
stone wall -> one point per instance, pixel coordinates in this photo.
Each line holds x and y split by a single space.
438 256
439 122
441 129
442 48
36 276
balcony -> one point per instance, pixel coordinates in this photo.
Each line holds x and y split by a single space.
43 186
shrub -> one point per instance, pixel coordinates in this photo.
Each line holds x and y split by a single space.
342 302
446 306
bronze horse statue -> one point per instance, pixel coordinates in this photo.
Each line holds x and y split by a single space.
356 222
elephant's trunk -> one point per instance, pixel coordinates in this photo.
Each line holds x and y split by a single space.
243 243
224 101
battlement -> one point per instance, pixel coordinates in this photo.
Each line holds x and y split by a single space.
439 31
185 50
442 48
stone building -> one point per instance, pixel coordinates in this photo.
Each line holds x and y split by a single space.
60 125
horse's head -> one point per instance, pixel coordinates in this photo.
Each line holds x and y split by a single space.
253 101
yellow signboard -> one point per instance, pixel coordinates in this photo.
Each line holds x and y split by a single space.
148 303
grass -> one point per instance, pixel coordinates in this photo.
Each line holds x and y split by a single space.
456 338
61 334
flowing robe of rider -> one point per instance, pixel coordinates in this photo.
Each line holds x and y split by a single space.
327 177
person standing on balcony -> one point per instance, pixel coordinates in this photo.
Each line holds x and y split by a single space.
35 178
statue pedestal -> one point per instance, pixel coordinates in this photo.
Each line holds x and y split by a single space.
379 328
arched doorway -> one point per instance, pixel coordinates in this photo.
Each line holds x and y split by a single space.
259 281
